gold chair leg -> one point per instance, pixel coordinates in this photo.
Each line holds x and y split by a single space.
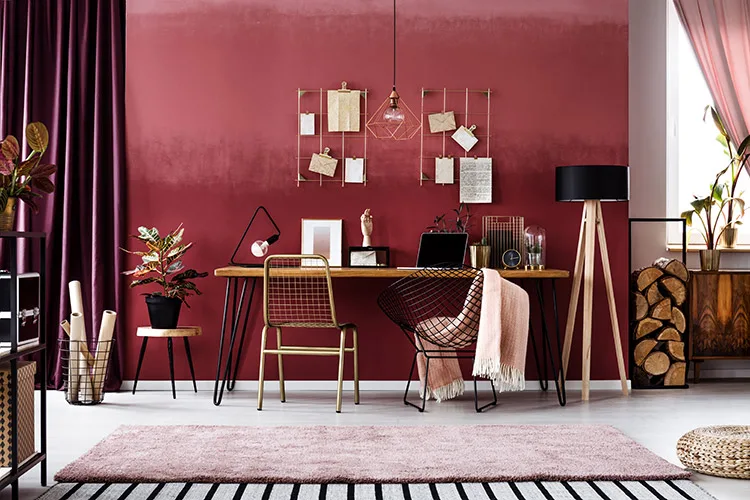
262 367
282 392
341 370
355 342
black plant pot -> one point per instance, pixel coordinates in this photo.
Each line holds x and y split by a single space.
164 312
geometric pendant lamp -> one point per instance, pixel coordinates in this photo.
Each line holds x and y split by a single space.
393 119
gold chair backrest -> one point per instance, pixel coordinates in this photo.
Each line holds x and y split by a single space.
297 292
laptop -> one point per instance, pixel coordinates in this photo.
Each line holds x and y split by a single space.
446 250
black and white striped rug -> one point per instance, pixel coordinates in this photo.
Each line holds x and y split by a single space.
539 490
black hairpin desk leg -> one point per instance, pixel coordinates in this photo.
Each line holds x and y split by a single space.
541 368
225 379
547 344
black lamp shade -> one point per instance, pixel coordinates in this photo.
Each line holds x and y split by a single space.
592 182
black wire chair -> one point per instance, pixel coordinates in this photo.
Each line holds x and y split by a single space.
440 306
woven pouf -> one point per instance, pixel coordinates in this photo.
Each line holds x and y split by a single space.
718 451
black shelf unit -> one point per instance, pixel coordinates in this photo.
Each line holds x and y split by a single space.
10 239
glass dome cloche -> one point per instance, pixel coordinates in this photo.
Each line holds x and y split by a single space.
535 245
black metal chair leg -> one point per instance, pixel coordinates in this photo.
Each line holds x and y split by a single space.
408 380
424 392
171 367
190 363
478 408
140 362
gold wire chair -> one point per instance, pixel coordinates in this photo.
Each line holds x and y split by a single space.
297 293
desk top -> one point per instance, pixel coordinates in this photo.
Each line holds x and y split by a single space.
386 272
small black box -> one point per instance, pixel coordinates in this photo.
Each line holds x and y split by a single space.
27 306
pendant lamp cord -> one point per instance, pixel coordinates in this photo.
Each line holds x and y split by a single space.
394 44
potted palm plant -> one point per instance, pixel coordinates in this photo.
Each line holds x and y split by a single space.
23 179
738 157
709 211
161 264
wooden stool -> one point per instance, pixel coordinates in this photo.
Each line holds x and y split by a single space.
181 331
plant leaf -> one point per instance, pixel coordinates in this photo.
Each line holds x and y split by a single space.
177 251
29 164
144 281
175 266
43 170
37 136
688 216
30 202
6 166
743 146
3 198
188 275
151 235
43 184
10 148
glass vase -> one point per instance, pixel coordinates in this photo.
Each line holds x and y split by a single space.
535 247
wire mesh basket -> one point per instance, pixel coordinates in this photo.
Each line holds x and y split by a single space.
84 370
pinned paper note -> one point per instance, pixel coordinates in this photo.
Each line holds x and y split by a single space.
354 170
307 124
475 179
444 170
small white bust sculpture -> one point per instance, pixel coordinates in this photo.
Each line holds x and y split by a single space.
366 219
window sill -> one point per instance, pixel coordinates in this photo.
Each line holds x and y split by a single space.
743 248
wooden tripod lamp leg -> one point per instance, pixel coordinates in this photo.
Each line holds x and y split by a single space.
574 293
611 297
588 295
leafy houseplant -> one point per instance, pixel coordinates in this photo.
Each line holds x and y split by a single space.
162 264
709 211
461 223
735 209
19 177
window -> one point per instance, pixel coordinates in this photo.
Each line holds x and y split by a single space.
695 154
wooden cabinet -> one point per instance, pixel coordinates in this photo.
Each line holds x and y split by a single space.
719 316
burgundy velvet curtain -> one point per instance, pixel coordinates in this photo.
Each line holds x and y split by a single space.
62 62
719 31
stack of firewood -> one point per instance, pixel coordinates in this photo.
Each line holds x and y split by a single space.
659 324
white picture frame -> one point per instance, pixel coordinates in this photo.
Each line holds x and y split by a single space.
322 237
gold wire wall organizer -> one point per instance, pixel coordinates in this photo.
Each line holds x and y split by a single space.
503 233
340 143
470 107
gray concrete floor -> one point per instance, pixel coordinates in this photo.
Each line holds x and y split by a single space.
655 419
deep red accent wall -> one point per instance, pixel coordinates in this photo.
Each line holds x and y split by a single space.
211 117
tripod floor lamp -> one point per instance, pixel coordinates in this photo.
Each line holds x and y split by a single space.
591 184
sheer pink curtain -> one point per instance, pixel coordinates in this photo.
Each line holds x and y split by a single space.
720 34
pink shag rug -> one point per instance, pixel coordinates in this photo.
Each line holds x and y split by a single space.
372 454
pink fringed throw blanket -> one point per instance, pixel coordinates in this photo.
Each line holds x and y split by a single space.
500 346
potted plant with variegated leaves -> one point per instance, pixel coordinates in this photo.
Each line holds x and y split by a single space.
161 264
23 179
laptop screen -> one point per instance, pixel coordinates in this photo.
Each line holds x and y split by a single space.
442 249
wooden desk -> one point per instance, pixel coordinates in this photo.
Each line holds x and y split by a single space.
235 274
387 272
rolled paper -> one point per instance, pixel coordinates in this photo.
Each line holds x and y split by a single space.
84 348
76 299
76 331
103 345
